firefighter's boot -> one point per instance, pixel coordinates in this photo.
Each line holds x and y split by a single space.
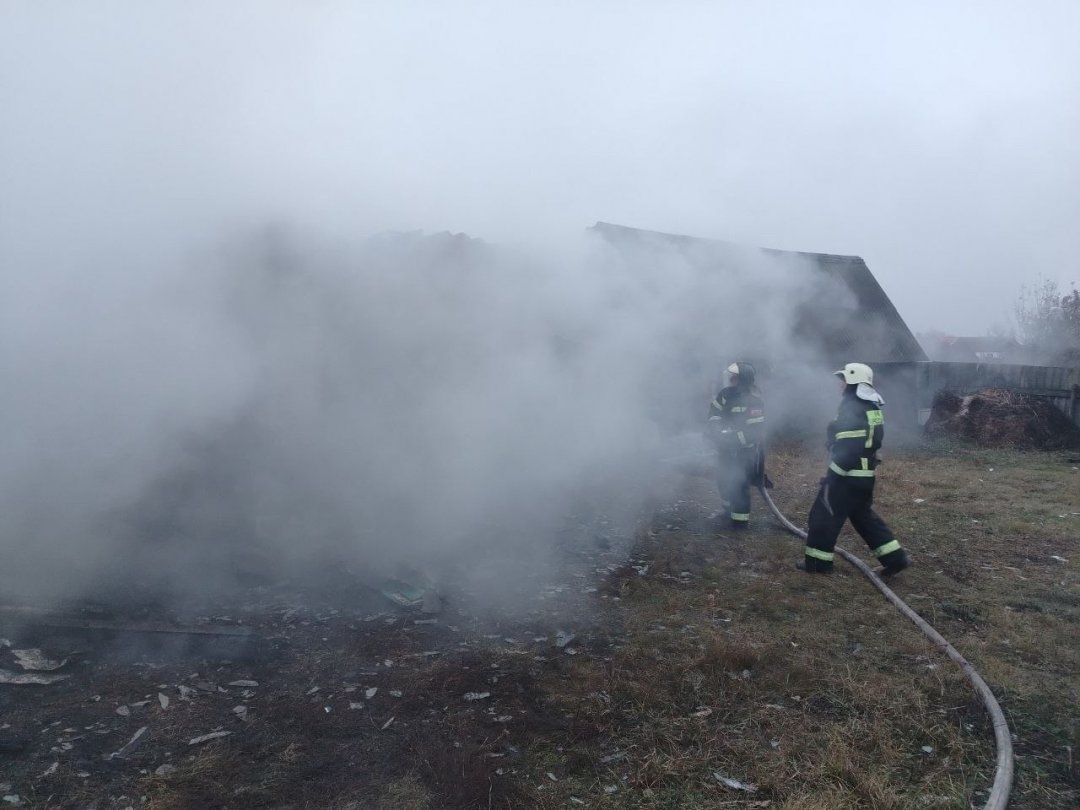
812 565
893 563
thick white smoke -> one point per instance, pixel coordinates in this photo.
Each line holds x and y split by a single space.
176 398
376 402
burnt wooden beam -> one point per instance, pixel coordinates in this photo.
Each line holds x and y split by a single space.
39 617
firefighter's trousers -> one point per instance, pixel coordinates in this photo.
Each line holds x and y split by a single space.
840 499
735 474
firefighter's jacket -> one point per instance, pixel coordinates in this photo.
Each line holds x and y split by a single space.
855 436
737 417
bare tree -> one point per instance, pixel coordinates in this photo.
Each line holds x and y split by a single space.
1049 322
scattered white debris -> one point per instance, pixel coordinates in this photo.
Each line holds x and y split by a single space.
387 724
470 696
355 705
5 642
51 769
609 789
240 712
387 663
1059 559
163 699
504 718
702 712
562 638
920 500
36 661
928 749
370 693
248 684
13 799
576 800
734 784
313 690
213 735
123 711
164 770
131 745
186 692
551 776
30 678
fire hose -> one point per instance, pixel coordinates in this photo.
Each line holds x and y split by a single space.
1003 776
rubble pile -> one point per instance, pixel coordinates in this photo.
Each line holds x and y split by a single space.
997 417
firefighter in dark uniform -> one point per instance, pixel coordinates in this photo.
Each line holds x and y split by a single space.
847 490
737 427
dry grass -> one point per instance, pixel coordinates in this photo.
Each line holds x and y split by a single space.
817 691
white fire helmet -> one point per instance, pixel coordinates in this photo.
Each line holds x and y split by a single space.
744 371
855 373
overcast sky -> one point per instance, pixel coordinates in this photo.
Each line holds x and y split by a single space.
937 140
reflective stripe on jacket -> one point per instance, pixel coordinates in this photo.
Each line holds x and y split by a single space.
741 411
855 437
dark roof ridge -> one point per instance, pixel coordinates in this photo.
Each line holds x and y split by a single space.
602 226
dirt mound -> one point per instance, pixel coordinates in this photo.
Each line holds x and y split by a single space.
998 417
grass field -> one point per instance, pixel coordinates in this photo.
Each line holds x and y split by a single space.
820 694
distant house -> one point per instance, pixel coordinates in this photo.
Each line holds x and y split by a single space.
953 349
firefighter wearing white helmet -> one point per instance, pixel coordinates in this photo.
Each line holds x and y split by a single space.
737 427
847 490
856 374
